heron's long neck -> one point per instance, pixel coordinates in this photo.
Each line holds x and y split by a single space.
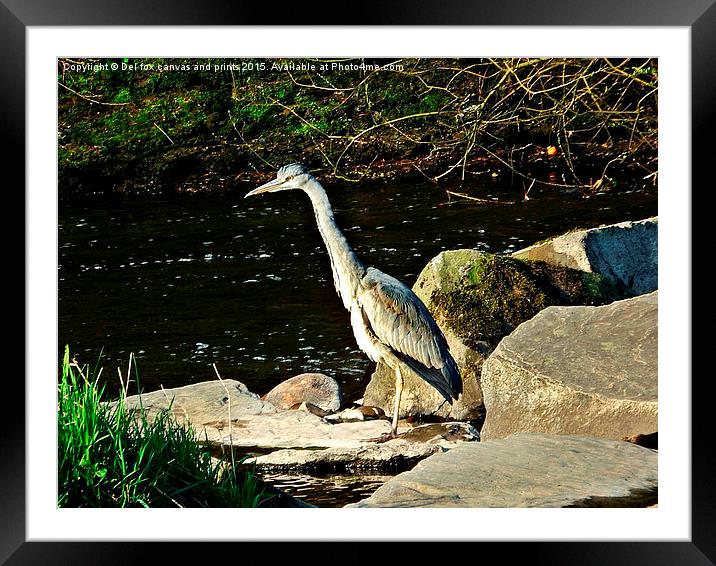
347 269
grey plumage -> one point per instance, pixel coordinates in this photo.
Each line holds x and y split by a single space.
401 320
390 322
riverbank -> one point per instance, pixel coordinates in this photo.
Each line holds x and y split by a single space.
200 126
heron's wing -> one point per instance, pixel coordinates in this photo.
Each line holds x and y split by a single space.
400 320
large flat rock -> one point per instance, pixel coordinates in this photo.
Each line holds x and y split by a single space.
391 456
396 455
298 429
576 370
626 252
527 470
226 412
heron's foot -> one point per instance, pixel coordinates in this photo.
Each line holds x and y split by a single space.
385 437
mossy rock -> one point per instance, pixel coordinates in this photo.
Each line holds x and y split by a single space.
483 297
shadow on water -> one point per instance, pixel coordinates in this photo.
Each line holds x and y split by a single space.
246 283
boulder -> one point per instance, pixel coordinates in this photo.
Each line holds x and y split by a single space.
626 252
477 298
527 470
444 434
314 389
645 440
310 408
576 370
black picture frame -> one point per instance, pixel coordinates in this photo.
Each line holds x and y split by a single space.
698 15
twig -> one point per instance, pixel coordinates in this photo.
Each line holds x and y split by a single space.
92 100
527 192
231 437
248 145
162 131
169 497
386 123
482 200
297 115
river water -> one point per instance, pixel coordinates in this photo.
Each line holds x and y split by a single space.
246 284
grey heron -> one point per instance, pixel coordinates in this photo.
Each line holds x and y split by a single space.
390 322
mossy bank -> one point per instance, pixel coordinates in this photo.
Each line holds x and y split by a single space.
158 126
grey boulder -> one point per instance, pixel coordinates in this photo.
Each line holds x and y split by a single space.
626 252
577 370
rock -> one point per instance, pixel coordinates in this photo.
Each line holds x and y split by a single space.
314 388
298 429
627 252
445 434
346 416
393 456
482 297
370 412
527 470
356 414
477 298
202 403
249 422
576 370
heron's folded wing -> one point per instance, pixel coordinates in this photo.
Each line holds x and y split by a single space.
400 319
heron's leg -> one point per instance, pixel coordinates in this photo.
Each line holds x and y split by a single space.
398 391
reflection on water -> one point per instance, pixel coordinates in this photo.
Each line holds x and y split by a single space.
328 491
246 284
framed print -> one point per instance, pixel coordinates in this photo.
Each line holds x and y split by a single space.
240 288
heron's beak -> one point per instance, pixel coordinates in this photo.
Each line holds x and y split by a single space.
267 188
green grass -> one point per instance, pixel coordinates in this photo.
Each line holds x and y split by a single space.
111 457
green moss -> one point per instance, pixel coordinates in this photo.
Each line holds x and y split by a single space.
576 287
488 296
124 95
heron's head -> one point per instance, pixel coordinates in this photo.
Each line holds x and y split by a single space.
292 176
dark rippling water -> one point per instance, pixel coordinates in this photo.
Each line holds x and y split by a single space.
246 283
